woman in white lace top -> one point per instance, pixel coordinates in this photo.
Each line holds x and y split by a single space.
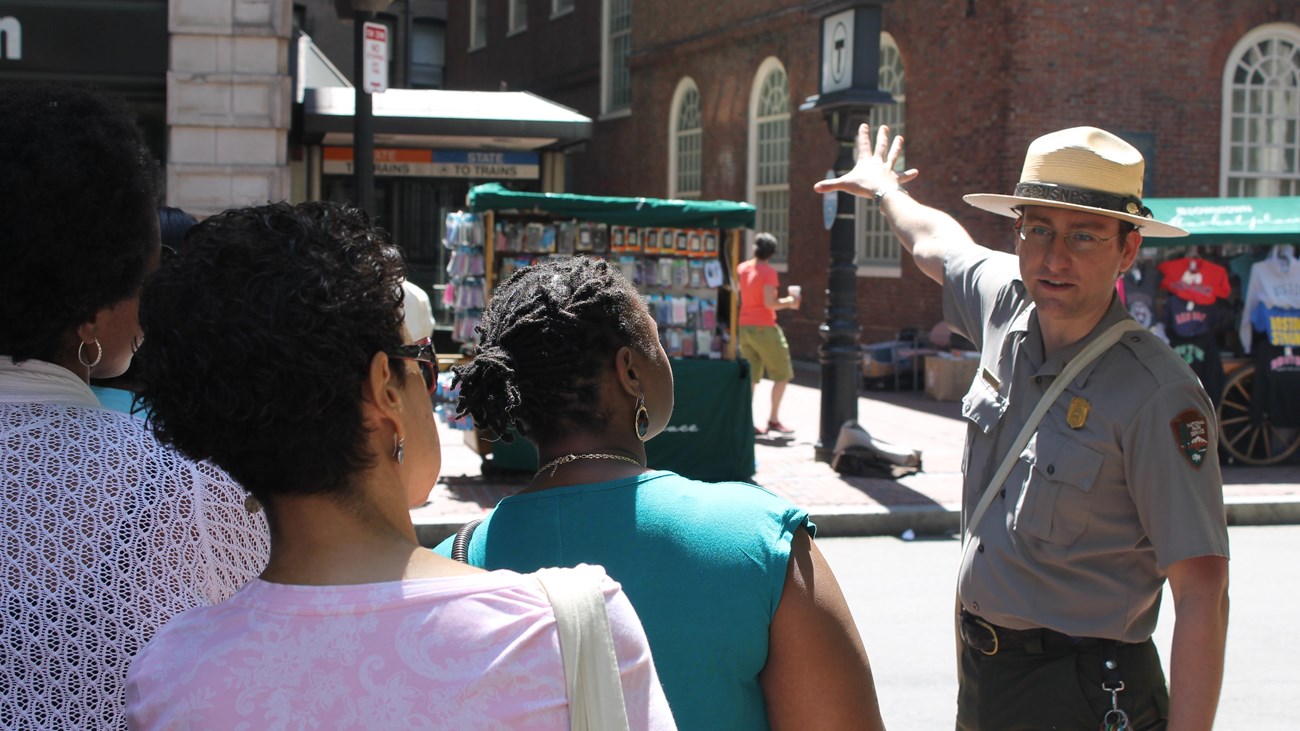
106 533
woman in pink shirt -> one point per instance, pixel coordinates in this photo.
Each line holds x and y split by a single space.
762 342
276 348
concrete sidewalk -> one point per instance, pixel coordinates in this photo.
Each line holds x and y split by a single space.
928 502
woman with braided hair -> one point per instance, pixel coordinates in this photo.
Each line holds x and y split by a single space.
747 624
277 346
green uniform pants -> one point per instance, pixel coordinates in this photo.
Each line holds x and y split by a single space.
1058 687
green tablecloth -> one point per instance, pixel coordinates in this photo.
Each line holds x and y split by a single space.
711 434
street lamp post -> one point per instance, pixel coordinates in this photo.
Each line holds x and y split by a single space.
850 67
363 124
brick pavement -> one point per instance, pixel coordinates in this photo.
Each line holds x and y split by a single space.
926 502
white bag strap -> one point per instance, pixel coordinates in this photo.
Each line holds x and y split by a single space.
587 646
1089 353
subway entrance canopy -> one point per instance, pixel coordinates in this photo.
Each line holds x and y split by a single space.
484 120
1260 221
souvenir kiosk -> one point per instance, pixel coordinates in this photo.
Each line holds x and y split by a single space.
1227 298
682 256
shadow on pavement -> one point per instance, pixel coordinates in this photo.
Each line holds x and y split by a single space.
888 492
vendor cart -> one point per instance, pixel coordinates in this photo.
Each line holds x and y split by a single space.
682 255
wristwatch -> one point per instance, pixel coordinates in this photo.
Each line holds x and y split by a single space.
880 194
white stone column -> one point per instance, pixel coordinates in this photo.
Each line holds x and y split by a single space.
228 103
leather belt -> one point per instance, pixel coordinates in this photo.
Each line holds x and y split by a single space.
990 639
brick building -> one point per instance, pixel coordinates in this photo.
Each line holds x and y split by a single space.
700 100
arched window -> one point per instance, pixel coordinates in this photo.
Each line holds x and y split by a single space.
877 248
769 154
684 144
1261 108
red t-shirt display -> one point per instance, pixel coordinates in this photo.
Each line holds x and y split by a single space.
1195 280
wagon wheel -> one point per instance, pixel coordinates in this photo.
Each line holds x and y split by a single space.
1244 441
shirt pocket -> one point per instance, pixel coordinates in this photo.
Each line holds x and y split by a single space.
1054 504
982 405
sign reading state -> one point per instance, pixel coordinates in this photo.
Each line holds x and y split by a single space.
478 164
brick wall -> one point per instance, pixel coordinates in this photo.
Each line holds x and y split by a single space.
983 78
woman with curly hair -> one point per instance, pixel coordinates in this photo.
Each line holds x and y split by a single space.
106 533
276 348
748 626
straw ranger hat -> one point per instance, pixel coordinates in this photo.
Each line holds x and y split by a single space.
1083 169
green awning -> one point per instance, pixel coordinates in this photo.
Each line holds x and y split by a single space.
1261 221
616 211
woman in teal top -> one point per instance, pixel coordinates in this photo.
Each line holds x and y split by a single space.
747 624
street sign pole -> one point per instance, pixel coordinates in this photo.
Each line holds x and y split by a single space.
363 131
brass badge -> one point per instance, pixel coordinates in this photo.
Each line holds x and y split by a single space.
1077 416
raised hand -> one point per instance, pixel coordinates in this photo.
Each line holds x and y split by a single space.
874 169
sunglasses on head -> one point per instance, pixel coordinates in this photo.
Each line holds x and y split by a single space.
425 357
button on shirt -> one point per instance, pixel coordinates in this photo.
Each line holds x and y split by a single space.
1089 518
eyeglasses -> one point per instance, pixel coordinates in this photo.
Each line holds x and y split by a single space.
1078 242
425 357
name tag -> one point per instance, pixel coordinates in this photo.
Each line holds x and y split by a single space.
990 379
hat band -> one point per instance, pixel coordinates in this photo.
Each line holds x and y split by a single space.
1127 204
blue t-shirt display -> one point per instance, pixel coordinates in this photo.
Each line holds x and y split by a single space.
703 564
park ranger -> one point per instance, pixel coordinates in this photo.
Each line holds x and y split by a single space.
1091 473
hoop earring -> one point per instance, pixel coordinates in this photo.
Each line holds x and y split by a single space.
642 419
81 354
399 448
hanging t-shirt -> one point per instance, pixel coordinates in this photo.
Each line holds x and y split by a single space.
1187 319
1276 392
1275 282
1140 285
1201 352
1280 324
1195 280
1239 265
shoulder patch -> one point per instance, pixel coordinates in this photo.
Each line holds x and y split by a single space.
1191 430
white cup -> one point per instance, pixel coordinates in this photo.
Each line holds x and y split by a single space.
795 291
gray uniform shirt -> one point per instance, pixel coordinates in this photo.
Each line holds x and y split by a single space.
1120 481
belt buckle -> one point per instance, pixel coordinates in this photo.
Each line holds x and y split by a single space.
993 632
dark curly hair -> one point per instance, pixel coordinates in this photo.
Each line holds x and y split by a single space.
543 340
258 339
77 223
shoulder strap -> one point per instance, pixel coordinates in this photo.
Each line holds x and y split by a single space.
590 664
460 546
1089 353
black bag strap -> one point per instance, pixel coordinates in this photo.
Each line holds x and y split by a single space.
460 546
